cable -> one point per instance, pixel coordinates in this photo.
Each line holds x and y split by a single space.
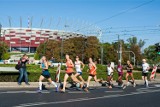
120 13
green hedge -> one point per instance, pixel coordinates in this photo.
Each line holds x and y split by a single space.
33 77
34 71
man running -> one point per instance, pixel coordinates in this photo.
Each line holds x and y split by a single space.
45 74
130 73
78 64
145 69
69 73
92 72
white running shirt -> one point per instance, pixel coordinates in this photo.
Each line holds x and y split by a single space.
78 66
110 70
145 67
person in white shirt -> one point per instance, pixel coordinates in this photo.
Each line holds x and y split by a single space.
79 69
145 70
110 75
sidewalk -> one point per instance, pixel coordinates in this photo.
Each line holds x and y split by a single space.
35 84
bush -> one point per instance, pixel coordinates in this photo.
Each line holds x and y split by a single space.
5 56
34 71
36 56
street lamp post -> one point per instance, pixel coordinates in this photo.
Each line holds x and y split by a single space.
134 56
62 50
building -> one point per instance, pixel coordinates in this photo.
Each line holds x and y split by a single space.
27 39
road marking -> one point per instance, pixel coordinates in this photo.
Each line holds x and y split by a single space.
77 92
12 92
84 99
16 92
77 99
114 91
157 85
146 88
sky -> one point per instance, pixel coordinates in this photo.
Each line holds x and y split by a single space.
126 18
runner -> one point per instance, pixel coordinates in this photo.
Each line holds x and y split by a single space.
45 74
92 72
145 69
110 75
69 73
130 73
153 73
120 76
78 64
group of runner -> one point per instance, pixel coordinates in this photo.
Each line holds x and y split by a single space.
79 66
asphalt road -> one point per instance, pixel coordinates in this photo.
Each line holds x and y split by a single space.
96 97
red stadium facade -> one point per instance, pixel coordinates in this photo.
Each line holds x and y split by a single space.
26 39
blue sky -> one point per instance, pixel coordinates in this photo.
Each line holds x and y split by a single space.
143 22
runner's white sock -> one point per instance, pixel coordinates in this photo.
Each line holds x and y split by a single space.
40 85
54 83
146 82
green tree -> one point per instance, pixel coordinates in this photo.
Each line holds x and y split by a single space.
87 47
4 51
136 46
151 55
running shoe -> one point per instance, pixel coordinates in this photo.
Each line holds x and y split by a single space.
19 83
39 91
57 88
124 87
62 91
147 86
134 84
128 83
27 84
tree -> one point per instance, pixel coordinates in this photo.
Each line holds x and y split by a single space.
141 43
80 46
132 41
151 55
110 53
136 47
4 51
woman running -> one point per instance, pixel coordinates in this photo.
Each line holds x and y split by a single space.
130 73
92 72
78 64
120 75
45 74
69 73
110 75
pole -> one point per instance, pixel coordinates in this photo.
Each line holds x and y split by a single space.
20 35
119 51
62 50
102 54
134 60
9 31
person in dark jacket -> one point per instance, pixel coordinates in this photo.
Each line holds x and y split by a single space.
22 70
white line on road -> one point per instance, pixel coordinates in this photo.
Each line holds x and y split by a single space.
12 92
77 92
158 85
146 88
114 91
84 99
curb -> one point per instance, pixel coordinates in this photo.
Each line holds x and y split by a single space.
35 84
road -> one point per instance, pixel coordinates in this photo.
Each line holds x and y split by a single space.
96 97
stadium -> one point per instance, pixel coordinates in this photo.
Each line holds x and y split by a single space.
21 39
